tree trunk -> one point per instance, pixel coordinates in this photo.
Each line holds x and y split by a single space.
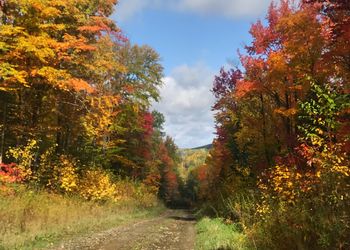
3 133
268 160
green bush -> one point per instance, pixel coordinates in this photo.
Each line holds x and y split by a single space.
216 234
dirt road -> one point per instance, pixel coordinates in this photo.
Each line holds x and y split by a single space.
174 229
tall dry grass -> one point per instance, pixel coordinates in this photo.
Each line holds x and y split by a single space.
39 219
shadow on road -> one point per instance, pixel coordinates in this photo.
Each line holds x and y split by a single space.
180 214
183 218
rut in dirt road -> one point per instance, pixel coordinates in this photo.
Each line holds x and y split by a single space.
173 230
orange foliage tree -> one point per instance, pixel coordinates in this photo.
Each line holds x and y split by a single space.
70 80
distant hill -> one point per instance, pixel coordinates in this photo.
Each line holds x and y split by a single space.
194 157
209 146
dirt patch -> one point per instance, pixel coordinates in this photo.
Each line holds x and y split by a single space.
174 229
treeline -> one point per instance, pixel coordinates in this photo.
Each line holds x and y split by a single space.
279 167
75 102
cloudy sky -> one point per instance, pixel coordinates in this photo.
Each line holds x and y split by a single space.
194 38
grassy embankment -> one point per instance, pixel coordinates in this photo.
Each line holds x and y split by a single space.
216 234
35 220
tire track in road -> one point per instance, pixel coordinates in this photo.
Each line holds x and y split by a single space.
172 230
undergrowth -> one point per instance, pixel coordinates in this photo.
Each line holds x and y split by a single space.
38 219
215 234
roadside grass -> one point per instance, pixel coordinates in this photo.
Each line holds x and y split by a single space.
214 234
35 220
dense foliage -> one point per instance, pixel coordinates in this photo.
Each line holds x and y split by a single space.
76 119
75 99
281 156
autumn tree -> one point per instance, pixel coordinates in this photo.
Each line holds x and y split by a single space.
283 129
71 83
169 183
52 56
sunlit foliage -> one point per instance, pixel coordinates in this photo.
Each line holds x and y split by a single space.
283 130
75 103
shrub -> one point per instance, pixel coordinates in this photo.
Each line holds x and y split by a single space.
66 174
58 174
97 184
24 157
307 211
10 173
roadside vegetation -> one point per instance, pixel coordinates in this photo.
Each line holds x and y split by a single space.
33 219
80 147
279 167
218 234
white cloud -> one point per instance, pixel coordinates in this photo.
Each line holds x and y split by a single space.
186 103
227 8
126 9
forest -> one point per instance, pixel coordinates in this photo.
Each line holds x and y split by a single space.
280 160
80 140
75 108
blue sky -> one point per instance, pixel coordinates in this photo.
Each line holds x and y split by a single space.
194 38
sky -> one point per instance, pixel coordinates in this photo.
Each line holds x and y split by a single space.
194 39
